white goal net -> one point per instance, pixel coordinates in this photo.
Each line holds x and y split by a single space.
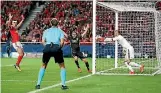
140 24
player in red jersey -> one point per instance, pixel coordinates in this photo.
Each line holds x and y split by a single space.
13 28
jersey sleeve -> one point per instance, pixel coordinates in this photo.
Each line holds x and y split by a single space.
116 38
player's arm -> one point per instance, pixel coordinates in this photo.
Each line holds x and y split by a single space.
86 30
43 38
20 22
112 39
116 38
43 42
108 39
8 23
61 42
65 34
62 39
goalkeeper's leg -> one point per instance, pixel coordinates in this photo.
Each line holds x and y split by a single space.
127 62
137 65
130 68
131 56
134 64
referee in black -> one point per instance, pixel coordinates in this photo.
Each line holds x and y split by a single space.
53 40
75 46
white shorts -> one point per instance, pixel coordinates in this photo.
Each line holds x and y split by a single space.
17 45
129 53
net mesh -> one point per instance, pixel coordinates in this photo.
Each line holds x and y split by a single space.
139 28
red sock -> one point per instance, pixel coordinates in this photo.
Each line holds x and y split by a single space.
19 60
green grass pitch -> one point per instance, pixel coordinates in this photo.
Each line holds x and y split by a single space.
24 81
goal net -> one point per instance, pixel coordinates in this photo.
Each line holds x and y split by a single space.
140 24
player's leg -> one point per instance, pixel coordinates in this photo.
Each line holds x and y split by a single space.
20 51
77 64
45 60
60 60
87 64
63 75
131 52
127 61
21 54
80 55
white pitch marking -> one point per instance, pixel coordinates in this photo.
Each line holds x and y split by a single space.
22 81
45 88
10 65
7 65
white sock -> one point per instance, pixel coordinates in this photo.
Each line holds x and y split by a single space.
130 68
134 64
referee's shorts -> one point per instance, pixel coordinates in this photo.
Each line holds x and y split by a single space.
52 51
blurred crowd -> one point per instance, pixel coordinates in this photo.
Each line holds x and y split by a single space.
105 22
71 15
16 8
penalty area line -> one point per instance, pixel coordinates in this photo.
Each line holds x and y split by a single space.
55 85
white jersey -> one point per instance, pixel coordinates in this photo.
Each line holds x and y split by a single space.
122 41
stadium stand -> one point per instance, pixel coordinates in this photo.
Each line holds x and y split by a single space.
71 15
16 8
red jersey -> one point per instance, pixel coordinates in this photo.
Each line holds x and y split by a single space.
14 34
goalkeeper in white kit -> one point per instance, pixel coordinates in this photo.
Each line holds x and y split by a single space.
129 51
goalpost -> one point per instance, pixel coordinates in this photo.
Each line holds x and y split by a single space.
140 24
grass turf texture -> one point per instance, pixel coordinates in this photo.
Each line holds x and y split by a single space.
107 65
24 81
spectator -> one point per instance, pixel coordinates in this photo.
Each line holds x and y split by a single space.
70 14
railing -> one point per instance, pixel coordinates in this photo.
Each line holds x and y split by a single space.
85 43
34 49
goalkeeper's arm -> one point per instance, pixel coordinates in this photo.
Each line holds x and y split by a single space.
112 39
108 40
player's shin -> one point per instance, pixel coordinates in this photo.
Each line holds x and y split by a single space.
76 62
134 64
63 76
130 68
41 75
19 60
87 65
21 54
